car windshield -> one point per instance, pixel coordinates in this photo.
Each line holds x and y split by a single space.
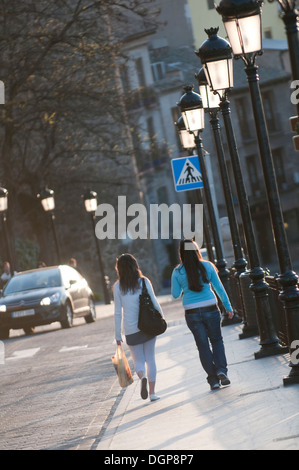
33 280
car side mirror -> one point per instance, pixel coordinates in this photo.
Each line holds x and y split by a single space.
72 282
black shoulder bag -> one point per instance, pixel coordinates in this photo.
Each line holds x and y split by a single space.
150 319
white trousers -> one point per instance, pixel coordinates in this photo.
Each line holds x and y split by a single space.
143 356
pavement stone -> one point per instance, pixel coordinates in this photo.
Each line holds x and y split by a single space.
257 412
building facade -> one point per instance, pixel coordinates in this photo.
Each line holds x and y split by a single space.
168 63
203 15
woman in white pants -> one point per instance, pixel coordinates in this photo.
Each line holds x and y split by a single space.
126 293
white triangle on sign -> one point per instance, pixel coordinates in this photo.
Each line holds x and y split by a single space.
189 174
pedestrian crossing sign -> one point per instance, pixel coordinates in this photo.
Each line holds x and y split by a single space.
186 173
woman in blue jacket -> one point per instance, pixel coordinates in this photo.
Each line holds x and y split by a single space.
196 279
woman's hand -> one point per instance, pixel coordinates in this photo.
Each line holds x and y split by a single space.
230 315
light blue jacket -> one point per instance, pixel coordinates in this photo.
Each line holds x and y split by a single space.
179 285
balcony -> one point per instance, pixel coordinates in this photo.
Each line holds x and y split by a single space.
143 97
153 159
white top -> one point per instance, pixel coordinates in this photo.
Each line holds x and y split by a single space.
7 277
126 306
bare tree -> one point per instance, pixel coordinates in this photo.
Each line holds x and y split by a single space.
61 124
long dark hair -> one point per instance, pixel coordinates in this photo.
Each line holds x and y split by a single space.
191 259
128 272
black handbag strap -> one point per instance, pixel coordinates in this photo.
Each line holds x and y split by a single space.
144 289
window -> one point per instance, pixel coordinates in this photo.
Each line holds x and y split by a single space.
162 195
291 223
152 139
140 72
175 113
69 275
268 98
268 33
158 69
211 4
124 75
279 168
253 174
242 112
232 181
137 148
151 130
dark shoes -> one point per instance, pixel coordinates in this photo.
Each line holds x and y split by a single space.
215 386
143 388
224 380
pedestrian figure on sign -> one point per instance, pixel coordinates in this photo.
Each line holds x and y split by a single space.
189 170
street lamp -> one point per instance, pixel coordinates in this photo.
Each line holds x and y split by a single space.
211 53
188 144
289 16
91 204
90 201
186 138
210 100
211 103
242 21
217 61
47 200
3 199
230 11
192 111
3 211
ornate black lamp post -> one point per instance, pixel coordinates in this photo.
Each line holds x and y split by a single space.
188 144
290 18
91 204
242 20
192 111
46 197
3 211
216 57
211 105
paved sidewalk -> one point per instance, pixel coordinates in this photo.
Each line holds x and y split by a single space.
255 413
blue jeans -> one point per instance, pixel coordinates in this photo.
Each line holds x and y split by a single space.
206 329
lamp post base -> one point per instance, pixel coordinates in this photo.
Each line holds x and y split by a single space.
292 378
270 350
248 332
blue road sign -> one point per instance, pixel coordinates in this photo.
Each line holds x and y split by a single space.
186 173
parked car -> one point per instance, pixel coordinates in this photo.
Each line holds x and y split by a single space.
45 295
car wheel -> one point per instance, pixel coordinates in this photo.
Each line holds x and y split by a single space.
29 330
91 317
67 321
4 333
